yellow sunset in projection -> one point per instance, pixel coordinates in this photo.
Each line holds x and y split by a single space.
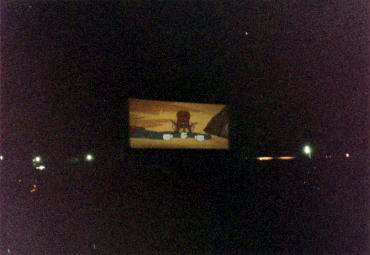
162 124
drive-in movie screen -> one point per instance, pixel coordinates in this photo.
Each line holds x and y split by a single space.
178 125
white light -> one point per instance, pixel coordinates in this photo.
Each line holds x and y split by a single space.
1 157
89 157
42 167
183 135
8 250
347 155
246 33
307 150
37 159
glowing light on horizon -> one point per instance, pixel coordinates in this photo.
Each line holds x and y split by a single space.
265 158
34 188
36 159
89 157
42 167
307 150
286 158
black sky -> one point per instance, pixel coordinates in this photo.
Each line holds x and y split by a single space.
300 75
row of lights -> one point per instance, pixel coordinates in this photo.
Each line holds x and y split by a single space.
307 150
39 165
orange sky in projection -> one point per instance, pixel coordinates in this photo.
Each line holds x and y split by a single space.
157 115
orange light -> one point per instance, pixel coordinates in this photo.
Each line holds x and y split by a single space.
286 158
33 190
264 158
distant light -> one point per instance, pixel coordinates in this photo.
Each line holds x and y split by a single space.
264 158
307 150
42 167
1 157
36 159
20 180
34 188
8 250
286 158
94 246
89 157
246 33
347 155
74 160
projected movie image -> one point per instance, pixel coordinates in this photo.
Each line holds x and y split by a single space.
162 124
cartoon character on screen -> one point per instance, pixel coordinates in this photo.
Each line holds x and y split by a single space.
183 124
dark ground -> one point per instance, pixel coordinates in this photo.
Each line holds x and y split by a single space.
296 207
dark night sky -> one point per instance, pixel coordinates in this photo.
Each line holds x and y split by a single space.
299 75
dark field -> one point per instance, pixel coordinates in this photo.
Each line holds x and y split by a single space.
295 207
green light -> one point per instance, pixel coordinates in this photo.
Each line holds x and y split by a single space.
89 157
